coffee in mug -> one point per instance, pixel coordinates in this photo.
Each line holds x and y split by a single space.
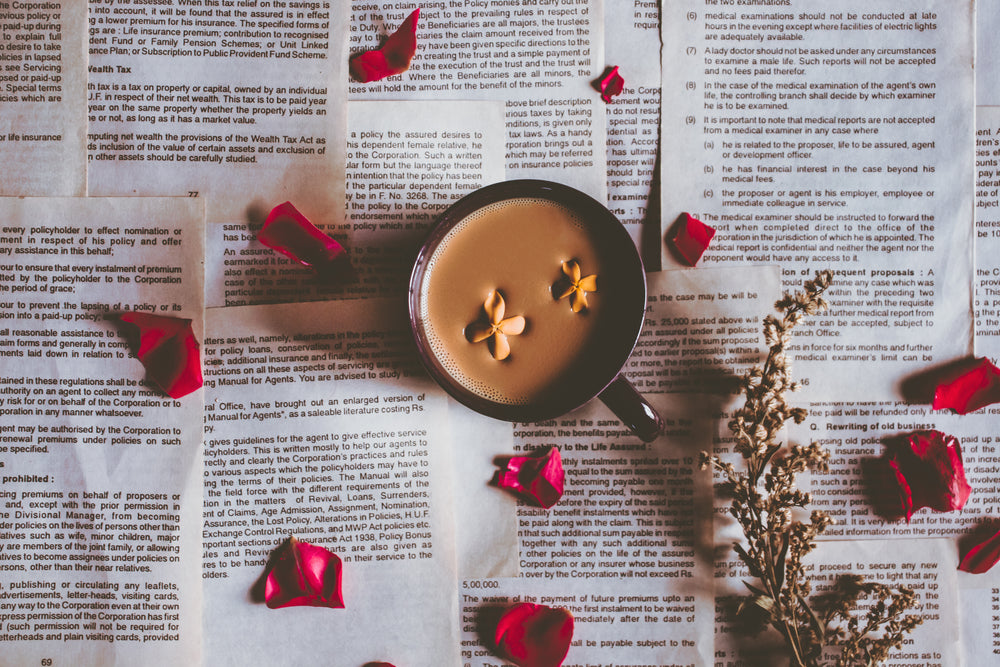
527 300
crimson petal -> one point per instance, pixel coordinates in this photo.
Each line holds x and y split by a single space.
169 351
692 239
931 473
290 233
905 492
393 57
983 556
534 635
976 388
611 85
304 575
539 478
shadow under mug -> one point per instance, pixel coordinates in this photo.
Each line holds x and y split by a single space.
598 370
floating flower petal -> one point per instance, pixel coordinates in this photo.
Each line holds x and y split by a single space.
976 388
499 346
611 85
393 57
495 307
496 328
304 575
930 473
692 239
169 351
534 635
983 556
540 478
290 233
574 286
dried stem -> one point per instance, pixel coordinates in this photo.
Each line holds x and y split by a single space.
765 499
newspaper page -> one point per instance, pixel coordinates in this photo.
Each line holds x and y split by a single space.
817 138
980 593
987 284
860 491
405 164
621 548
242 105
703 329
347 448
101 470
632 43
43 121
927 566
540 59
919 556
980 602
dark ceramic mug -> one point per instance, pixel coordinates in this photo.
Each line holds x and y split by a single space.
534 226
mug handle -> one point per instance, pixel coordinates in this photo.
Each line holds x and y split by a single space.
632 409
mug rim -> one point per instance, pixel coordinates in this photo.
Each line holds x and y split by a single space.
592 211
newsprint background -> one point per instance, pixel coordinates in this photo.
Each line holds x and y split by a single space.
144 142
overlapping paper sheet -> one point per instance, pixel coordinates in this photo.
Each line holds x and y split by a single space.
833 138
43 114
244 108
633 117
540 61
101 470
349 450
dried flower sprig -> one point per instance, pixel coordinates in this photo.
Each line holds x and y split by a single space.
765 501
867 639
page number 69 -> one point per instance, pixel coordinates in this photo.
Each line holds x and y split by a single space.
47 662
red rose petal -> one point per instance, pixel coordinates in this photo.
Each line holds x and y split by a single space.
290 233
976 388
611 85
942 454
692 239
393 57
304 575
539 478
905 493
534 635
982 557
169 351
931 473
